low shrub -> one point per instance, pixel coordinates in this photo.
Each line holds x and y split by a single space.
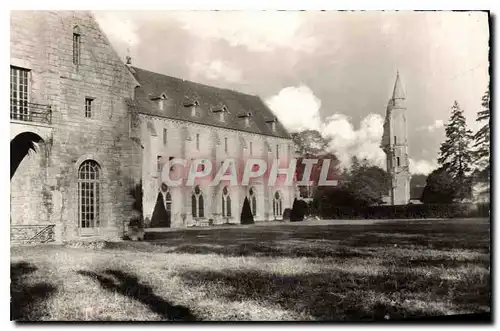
299 210
286 214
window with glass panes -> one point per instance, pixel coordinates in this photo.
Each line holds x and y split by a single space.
19 97
89 194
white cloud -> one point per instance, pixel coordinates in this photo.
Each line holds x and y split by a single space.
297 108
434 126
215 70
257 30
422 166
118 27
363 143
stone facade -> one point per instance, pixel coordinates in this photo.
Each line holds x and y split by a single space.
83 145
395 145
180 142
45 186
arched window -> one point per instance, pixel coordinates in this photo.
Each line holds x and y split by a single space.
89 194
197 208
253 201
226 203
167 196
277 204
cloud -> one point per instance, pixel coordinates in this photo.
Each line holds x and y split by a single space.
297 108
364 143
118 27
422 166
259 31
215 70
434 126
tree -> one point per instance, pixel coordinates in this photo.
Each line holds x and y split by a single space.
310 143
361 185
482 145
367 184
246 213
439 187
455 156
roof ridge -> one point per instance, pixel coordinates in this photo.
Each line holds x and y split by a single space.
197 83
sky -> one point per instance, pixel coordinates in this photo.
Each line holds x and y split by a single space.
326 70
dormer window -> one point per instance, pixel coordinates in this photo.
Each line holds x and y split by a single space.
272 122
222 112
193 105
161 100
246 116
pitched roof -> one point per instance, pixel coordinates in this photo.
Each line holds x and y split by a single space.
398 92
181 94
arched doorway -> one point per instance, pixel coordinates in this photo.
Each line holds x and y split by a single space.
162 213
21 146
252 198
28 175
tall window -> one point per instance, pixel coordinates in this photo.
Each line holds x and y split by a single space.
251 149
198 141
197 208
395 140
253 201
76 45
159 165
277 151
226 203
277 204
397 161
19 94
225 144
164 136
88 107
88 194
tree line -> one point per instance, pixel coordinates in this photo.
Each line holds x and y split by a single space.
464 163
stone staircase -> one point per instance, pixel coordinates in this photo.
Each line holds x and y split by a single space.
32 234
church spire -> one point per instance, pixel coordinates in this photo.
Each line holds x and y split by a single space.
398 92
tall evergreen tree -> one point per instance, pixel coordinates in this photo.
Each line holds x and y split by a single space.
482 138
455 155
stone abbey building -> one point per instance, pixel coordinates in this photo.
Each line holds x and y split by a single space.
90 135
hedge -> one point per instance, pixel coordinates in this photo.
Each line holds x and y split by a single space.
457 210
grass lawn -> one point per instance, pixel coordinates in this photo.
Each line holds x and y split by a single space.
388 270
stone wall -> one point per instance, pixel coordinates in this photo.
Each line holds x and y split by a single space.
181 142
42 42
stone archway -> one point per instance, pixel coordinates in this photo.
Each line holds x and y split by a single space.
29 201
21 146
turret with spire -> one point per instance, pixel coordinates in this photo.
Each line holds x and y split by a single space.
395 145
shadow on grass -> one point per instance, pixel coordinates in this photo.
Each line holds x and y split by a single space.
129 285
28 302
342 241
339 296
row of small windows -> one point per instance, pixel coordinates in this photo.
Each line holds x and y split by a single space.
226 148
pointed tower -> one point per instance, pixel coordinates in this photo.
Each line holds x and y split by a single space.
395 146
